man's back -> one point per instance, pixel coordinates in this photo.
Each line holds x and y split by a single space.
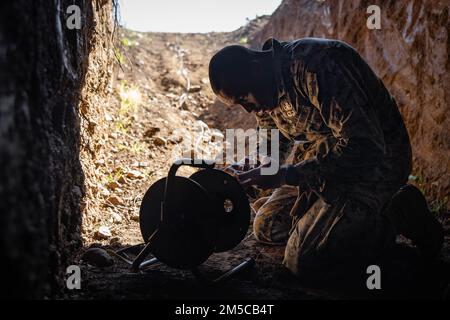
337 95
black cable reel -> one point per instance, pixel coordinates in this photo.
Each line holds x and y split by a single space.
183 221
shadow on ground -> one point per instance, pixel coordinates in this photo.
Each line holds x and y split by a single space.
405 276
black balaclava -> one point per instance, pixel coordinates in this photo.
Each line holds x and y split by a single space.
236 71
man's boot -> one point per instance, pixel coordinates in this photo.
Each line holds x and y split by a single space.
408 211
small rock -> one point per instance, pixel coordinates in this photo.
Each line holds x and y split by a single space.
113 135
113 185
134 174
194 89
160 141
97 257
115 200
108 117
140 164
103 233
116 218
135 217
105 192
171 95
100 162
150 132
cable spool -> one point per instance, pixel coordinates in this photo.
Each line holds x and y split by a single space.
232 206
185 220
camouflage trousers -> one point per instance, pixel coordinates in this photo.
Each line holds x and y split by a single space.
347 229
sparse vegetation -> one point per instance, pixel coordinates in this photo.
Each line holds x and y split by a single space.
119 57
243 40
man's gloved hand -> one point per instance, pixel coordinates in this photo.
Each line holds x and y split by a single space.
242 166
255 178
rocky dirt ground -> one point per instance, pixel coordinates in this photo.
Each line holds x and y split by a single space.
160 97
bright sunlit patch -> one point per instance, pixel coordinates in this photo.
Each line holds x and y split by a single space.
130 98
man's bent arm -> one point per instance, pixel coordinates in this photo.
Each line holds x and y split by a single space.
345 109
266 122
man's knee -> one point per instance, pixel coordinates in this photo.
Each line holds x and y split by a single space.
272 227
262 227
273 220
351 239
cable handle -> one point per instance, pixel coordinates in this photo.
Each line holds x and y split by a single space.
196 163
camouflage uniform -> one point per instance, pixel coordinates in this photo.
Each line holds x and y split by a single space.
352 153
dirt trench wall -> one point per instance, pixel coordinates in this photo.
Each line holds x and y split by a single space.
43 67
410 53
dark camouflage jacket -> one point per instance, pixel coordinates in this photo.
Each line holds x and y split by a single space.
346 126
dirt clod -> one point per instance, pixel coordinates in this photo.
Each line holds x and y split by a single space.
150 132
158 141
115 200
97 257
113 185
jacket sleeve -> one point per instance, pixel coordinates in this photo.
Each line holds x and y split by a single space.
359 146
265 121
